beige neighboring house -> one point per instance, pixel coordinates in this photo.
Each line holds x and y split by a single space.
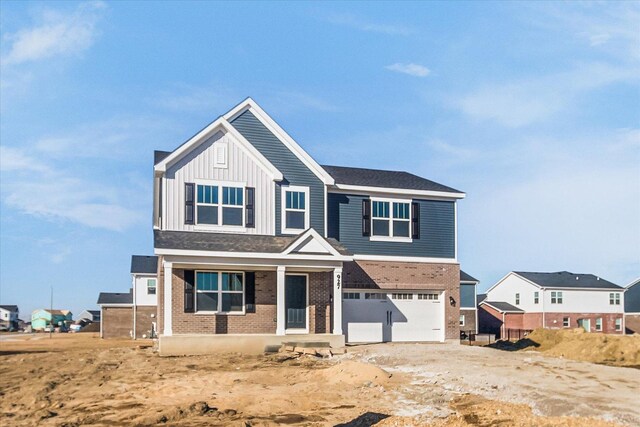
132 314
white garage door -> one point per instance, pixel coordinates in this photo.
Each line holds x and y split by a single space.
397 317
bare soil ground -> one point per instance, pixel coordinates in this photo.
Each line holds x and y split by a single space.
78 379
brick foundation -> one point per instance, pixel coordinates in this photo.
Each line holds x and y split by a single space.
410 276
263 321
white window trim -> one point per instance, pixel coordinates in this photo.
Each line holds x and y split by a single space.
616 298
462 320
154 287
391 237
618 323
283 209
559 297
517 298
568 325
536 297
598 325
220 227
220 292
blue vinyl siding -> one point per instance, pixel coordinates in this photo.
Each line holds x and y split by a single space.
294 171
437 229
467 295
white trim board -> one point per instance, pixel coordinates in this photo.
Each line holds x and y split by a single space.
219 124
361 189
278 132
404 259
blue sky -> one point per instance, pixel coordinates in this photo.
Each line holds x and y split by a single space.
533 109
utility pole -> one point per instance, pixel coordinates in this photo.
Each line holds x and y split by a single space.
51 312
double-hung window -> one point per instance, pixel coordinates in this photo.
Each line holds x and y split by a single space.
536 297
295 209
556 297
219 205
390 219
618 324
614 298
220 292
232 205
151 286
517 299
598 323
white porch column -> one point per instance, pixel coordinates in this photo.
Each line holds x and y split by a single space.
337 301
168 276
280 309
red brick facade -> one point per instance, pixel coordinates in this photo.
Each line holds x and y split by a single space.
469 320
493 321
263 321
410 275
117 322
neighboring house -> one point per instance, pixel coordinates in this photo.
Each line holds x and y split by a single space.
9 316
42 318
529 300
468 306
258 244
632 307
132 314
89 316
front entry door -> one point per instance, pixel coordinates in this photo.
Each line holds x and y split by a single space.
585 324
295 301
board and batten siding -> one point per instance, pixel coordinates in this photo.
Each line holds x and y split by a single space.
437 229
198 164
293 169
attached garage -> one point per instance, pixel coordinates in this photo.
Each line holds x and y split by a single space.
400 316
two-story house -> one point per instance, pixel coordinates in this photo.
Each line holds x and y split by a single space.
258 245
9 316
632 307
132 314
529 300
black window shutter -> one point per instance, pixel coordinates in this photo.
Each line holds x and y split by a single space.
415 220
366 217
250 213
189 193
250 291
189 290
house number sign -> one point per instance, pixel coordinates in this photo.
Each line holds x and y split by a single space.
338 277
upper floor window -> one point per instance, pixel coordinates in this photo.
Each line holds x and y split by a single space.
219 205
151 286
295 209
517 299
614 298
390 219
556 297
536 297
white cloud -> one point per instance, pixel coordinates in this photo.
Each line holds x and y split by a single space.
357 23
13 159
526 101
411 69
56 35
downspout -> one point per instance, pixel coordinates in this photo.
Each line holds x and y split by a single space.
504 326
543 317
134 305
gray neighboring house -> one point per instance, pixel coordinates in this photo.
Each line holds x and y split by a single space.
92 316
632 307
468 306
9 316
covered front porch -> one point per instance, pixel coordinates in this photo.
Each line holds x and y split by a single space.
244 303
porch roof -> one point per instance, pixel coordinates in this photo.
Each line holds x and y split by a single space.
227 242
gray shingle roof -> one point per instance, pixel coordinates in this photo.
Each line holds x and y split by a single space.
384 178
503 306
464 277
11 308
201 241
480 298
632 298
106 298
565 279
159 156
144 264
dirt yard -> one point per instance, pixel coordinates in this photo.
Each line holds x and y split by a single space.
78 379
